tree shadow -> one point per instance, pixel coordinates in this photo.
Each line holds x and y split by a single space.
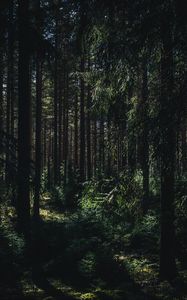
63 258
43 283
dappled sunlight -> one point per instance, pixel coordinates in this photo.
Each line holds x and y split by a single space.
48 211
29 289
140 268
50 215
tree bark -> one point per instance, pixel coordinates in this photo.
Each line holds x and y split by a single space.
82 123
88 128
76 133
24 121
168 148
145 142
56 166
38 140
10 88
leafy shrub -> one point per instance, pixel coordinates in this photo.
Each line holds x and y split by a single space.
117 200
145 235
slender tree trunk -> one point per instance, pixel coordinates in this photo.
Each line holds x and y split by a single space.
66 128
60 134
82 124
82 91
100 169
95 148
9 87
145 142
24 121
38 142
76 133
1 90
168 148
56 103
131 142
45 144
184 118
12 81
49 159
70 145
118 151
88 135
108 146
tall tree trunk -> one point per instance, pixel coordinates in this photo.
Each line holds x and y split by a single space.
12 81
108 146
66 128
184 118
144 140
70 145
10 59
167 242
60 133
82 124
24 121
49 158
101 146
38 141
82 90
76 133
56 102
95 147
131 141
88 135
45 144
1 88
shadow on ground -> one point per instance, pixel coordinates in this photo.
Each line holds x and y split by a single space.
72 261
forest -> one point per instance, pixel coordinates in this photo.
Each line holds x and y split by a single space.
93 150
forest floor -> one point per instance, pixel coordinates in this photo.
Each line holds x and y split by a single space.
74 262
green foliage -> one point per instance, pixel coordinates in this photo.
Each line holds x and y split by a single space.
10 237
87 264
145 234
181 218
58 194
119 201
